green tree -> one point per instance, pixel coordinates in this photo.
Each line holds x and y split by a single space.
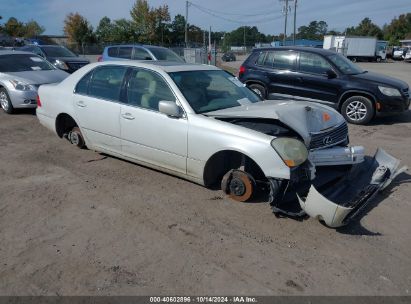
32 29
123 32
78 29
399 28
315 30
178 29
149 23
366 28
105 30
14 28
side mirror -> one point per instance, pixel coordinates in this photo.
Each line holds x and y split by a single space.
170 108
331 74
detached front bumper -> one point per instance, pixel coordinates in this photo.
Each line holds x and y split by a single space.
340 202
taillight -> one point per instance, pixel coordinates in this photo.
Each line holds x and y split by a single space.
100 58
242 71
38 101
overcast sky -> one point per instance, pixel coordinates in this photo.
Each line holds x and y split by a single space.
224 15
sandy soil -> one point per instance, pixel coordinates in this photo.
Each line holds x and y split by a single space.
74 222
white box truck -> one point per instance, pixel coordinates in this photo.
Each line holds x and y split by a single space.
357 48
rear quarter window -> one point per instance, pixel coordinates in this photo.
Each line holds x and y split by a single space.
125 52
112 51
82 85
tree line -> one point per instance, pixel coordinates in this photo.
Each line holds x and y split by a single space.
153 25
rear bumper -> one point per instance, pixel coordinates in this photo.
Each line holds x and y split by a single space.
339 203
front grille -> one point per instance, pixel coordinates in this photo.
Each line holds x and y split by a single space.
74 66
406 92
329 137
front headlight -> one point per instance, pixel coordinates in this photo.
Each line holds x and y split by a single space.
60 64
292 151
389 91
21 86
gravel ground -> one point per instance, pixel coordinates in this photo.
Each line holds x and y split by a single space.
75 222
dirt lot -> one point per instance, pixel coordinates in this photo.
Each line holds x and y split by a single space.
74 222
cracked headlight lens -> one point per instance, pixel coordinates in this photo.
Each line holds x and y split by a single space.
292 151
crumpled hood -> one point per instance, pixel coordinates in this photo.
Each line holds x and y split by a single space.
302 116
39 77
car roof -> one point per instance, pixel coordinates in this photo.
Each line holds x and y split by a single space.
297 48
162 65
136 44
11 52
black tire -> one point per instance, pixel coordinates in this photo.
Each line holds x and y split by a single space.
358 110
76 138
378 59
5 101
258 89
354 59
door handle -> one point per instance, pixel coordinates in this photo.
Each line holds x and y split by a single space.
128 116
81 104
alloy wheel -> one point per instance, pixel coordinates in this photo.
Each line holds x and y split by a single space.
356 110
4 101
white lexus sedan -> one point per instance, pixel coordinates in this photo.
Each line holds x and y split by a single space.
200 123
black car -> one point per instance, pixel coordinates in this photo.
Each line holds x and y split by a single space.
60 56
327 77
228 57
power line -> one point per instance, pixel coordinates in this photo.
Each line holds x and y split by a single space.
260 21
265 13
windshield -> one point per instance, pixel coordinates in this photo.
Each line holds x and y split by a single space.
23 62
345 65
212 90
165 54
57 51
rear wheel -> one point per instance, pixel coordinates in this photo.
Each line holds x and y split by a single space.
259 90
5 101
358 110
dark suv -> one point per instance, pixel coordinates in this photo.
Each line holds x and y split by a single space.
326 77
60 56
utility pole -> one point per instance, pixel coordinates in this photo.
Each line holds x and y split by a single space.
295 18
186 26
285 21
244 40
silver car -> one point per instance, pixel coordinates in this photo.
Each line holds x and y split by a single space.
21 74
201 123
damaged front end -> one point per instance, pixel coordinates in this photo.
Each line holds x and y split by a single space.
337 194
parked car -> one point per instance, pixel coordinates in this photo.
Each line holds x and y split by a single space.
326 77
139 52
60 56
201 123
21 74
399 53
228 57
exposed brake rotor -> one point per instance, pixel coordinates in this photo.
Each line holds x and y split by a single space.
238 185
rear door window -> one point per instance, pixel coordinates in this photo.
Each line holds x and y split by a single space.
313 63
106 82
125 52
284 60
141 54
260 60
